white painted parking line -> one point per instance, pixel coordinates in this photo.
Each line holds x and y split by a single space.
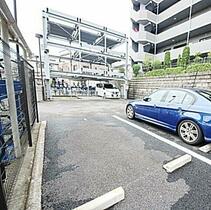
160 138
206 148
177 163
105 201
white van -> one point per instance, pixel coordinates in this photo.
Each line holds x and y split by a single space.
106 90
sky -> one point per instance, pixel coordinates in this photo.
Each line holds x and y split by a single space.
113 14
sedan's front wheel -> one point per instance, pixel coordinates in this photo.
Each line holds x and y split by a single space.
130 112
190 132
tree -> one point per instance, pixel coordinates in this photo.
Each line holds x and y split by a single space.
197 58
167 59
179 61
148 64
156 64
186 56
136 68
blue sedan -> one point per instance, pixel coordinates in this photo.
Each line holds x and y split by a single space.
185 111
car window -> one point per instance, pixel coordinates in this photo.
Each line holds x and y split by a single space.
206 94
157 96
175 97
188 100
108 86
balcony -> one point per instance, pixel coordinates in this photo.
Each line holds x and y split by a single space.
202 47
197 22
175 9
142 36
140 56
143 16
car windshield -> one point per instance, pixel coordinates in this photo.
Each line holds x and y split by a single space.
206 94
108 86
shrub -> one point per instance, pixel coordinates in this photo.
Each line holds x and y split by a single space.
186 56
179 61
167 59
148 64
156 64
198 67
180 70
136 68
163 72
197 58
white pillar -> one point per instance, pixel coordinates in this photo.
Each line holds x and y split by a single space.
10 90
105 51
79 42
126 72
46 58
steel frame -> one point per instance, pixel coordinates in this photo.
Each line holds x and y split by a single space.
75 44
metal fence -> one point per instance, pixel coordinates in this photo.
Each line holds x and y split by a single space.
26 112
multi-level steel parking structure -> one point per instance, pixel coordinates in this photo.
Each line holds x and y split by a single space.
72 39
169 25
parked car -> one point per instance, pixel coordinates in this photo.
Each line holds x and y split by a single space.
185 111
106 90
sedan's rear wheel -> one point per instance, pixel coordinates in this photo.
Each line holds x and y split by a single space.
130 112
190 132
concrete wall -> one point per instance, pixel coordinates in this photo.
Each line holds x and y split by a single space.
146 85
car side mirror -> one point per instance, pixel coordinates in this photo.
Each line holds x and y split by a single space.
146 99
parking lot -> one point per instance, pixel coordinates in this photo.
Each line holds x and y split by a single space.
90 149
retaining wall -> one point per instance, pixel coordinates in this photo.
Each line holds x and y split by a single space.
138 88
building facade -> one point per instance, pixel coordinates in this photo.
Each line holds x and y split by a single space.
158 26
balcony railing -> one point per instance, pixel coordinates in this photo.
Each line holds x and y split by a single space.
143 15
142 36
197 22
202 47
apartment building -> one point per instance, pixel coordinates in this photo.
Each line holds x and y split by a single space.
158 26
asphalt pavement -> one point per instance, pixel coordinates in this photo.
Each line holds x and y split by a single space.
88 153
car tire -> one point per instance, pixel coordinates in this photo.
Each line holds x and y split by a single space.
130 112
190 132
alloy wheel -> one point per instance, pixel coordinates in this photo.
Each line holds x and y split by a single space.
130 112
189 132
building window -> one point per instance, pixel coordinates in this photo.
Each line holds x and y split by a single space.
135 46
136 7
135 26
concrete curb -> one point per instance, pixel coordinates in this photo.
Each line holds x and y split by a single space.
206 148
177 163
35 189
105 201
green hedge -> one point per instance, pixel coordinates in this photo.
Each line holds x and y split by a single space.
179 70
163 72
200 67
